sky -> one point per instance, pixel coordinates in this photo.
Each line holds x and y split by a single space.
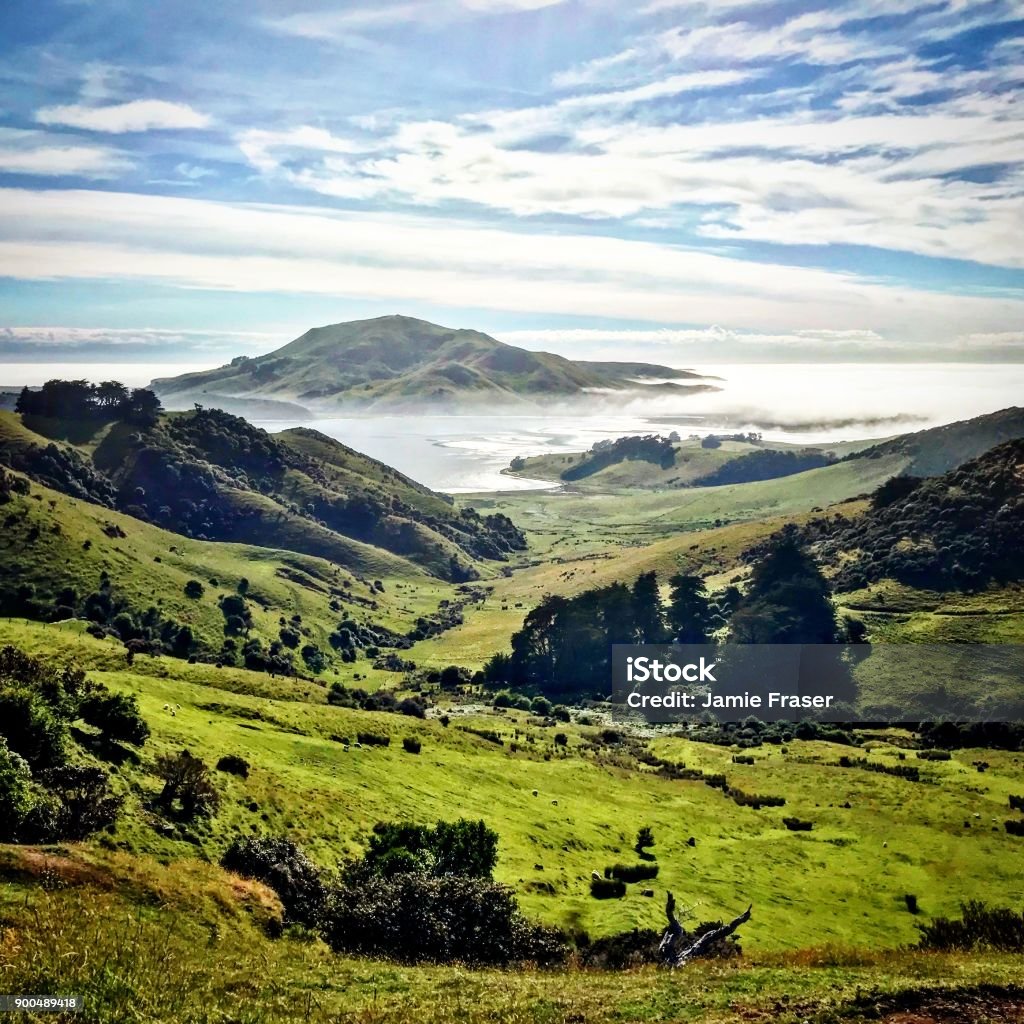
676 180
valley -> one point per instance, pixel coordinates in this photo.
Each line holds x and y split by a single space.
261 614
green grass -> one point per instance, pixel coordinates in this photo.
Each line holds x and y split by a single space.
896 837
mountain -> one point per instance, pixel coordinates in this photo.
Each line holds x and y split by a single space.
208 475
397 362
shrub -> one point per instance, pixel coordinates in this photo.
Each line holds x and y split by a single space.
540 706
607 888
33 728
980 927
1016 803
85 803
561 739
194 589
460 847
411 745
632 872
644 839
416 917
1015 827
373 739
188 789
934 755
116 715
15 793
561 713
234 765
280 864
797 825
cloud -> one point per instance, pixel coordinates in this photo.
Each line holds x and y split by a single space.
46 343
335 25
80 235
117 118
50 155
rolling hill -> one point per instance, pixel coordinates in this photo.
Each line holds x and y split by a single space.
211 476
397 362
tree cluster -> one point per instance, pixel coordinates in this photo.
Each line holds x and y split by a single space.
100 403
45 794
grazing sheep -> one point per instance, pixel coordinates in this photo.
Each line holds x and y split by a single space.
167 707
595 874
554 803
535 793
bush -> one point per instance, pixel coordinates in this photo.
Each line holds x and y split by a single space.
797 825
15 793
280 864
194 589
1015 827
607 888
561 739
85 803
644 839
116 715
416 917
934 755
411 745
234 765
980 927
188 790
540 706
1016 803
632 872
33 728
373 739
460 847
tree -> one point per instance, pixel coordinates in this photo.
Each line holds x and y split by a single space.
788 599
142 408
188 786
648 616
689 613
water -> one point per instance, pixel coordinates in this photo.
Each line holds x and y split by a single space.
800 403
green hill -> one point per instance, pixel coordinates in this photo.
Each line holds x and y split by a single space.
213 476
397 362
961 530
940 449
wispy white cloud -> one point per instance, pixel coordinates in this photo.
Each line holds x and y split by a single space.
117 118
335 25
25 340
51 155
78 235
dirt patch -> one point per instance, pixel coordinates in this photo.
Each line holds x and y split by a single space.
985 1004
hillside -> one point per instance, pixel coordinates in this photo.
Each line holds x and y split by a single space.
961 530
940 449
212 476
397 362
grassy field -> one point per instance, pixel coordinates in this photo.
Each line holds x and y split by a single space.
163 952
894 837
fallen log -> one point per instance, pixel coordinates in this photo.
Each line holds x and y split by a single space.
675 954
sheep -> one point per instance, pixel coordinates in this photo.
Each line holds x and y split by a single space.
167 707
535 793
595 874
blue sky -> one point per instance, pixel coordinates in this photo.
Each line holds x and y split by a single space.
673 179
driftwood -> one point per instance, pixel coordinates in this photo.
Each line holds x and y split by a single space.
674 954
